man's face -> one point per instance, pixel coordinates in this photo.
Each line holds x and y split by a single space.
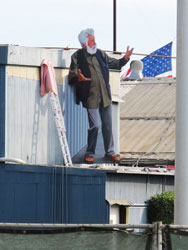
91 45
91 41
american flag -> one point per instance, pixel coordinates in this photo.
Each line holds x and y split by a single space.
156 66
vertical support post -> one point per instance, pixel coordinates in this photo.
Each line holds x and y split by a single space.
181 175
157 236
154 236
127 215
114 25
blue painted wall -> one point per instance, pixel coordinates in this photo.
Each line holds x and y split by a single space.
39 194
2 109
87 192
3 54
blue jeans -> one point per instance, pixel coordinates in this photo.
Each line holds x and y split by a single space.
106 119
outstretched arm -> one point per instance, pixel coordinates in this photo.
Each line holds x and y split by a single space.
114 63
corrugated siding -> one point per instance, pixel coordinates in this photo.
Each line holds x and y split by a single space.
115 125
31 134
136 188
147 121
30 129
76 121
87 197
2 109
138 215
35 194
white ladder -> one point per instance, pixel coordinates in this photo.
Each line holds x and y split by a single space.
60 125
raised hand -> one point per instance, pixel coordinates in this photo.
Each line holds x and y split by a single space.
128 53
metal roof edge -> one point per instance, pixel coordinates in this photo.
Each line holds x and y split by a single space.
149 80
119 202
33 56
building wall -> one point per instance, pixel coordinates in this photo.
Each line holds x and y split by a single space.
138 215
115 125
27 125
76 120
31 133
39 194
137 189
2 110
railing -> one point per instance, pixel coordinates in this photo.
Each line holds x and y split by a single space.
158 236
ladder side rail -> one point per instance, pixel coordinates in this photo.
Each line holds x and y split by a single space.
63 128
59 120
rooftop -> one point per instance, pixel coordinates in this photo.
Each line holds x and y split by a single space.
147 119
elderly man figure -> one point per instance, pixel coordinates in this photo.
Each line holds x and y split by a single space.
89 72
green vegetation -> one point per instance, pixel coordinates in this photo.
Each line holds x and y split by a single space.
161 208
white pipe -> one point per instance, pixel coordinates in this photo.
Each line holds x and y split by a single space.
181 175
12 160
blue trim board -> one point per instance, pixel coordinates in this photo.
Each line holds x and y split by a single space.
4 54
2 108
41 194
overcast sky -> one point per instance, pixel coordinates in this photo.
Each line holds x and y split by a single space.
145 25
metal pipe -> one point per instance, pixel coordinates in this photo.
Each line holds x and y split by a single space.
12 160
181 175
114 25
40 225
183 227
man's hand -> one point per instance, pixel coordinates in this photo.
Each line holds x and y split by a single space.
128 53
81 77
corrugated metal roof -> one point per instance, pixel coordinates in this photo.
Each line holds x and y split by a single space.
147 119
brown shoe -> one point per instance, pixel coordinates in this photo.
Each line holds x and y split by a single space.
89 159
113 157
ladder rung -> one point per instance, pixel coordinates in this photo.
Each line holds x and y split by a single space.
56 108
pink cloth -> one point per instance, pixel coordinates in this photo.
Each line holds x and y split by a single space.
48 81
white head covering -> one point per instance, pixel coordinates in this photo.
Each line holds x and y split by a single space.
83 36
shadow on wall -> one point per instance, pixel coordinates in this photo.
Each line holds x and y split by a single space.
40 108
61 61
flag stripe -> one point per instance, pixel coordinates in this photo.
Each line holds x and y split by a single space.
155 66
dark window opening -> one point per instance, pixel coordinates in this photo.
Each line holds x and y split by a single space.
122 214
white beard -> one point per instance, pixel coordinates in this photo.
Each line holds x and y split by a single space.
92 50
